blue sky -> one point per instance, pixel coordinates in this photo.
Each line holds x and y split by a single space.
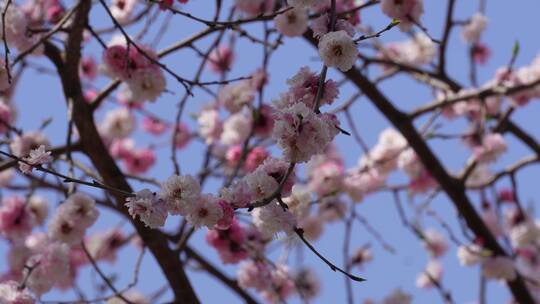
39 97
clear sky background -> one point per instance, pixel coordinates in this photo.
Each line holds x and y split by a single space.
39 97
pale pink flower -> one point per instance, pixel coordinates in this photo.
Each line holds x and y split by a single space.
277 169
492 147
264 121
79 208
293 22
404 11
221 59
235 96
15 28
23 144
17 256
139 161
326 178
50 265
525 233
472 31
16 221
151 210
116 59
272 218
206 212
11 294
301 133
255 157
183 136
145 84
433 273
39 207
332 209
490 218
303 87
435 243
282 285
472 254
255 275
104 245
36 157
307 283
337 49
260 184
132 296
210 126
236 129
227 218
299 201
358 183
123 9
383 157
312 227
418 50
422 183
118 123
320 26
499 268
180 193
362 256
154 125
239 194
122 148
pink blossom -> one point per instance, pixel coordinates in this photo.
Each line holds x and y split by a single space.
433 272
23 144
233 155
239 194
123 9
37 157
293 22
236 129
152 211
499 268
255 157
312 227
183 135
5 116
50 265
332 209
10 293
277 169
435 243
122 148
228 215
481 53
338 50
235 96
39 207
493 145
255 275
320 26
16 222
230 243
272 218
4 80
210 126
140 161
104 245
301 133
303 87
153 125
145 84
282 284
118 123
180 193
206 212
326 178
472 31
221 59
404 11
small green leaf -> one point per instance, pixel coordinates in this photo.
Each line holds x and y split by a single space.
515 49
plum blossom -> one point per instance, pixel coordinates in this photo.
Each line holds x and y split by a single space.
139 161
16 221
37 157
182 136
407 12
221 59
397 296
15 28
236 129
472 254
152 210
293 22
4 80
104 245
118 124
180 193
50 266
307 283
525 233
206 212
472 31
272 218
11 293
39 207
154 125
282 284
145 84
433 272
254 274
320 26
418 50
235 96
305 3
123 9
239 194
210 126
358 183
229 243
435 243
255 7
23 144
499 268
337 49
492 146
301 133
303 87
